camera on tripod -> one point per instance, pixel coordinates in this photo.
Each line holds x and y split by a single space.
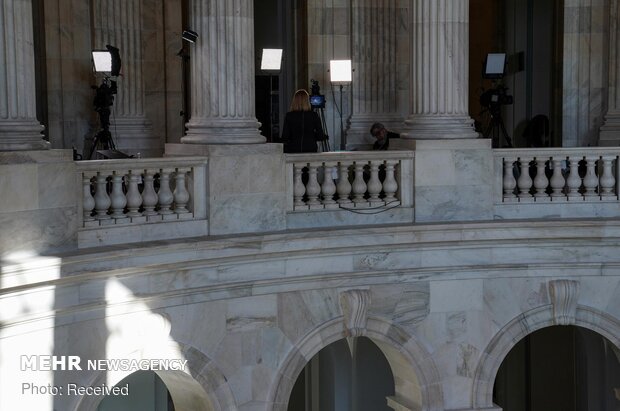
108 63
494 98
317 100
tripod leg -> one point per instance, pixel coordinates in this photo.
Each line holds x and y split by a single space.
505 133
94 146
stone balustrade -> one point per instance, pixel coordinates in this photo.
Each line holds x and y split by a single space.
132 192
349 181
558 175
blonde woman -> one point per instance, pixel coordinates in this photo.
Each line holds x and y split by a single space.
302 126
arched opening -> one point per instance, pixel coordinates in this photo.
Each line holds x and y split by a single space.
560 367
156 391
351 374
140 391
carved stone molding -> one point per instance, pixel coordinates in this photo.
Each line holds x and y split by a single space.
354 305
564 295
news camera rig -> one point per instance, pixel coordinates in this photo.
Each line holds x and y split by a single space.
494 98
317 102
104 99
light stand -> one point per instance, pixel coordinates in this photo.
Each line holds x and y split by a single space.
271 63
340 71
191 37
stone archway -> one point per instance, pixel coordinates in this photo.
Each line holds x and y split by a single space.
418 385
521 326
201 386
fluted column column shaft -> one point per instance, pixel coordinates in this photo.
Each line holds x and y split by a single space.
19 127
610 131
439 70
374 51
222 74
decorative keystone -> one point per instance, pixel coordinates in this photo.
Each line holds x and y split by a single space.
354 305
564 295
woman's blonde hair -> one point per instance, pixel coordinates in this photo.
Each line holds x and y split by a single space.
301 101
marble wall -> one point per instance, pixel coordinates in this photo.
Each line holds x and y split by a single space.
444 303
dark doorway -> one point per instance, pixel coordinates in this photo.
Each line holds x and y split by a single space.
531 34
344 376
560 368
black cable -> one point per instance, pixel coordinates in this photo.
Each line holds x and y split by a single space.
381 209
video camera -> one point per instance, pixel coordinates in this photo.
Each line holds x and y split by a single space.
496 97
317 100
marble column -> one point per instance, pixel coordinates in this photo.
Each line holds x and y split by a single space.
610 131
439 71
119 23
19 127
222 74
375 24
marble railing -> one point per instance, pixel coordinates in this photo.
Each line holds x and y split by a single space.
374 180
558 175
141 192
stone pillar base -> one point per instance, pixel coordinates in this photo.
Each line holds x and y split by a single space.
21 135
428 127
244 131
609 135
246 185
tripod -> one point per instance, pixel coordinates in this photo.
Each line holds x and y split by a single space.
325 143
104 98
496 125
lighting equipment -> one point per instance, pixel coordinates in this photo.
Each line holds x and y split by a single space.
272 60
494 66
189 35
341 74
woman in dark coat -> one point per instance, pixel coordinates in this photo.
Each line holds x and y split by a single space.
302 126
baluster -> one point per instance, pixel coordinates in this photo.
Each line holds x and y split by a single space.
607 181
181 195
574 181
374 184
102 199
118 201
88 202
165 195
359 185
390 185
313 189
328 188
509 181
343 187
524 182
541 181
134 199
298 186
149 197
590 181
557 180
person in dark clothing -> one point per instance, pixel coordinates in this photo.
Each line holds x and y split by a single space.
302 126
382 135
